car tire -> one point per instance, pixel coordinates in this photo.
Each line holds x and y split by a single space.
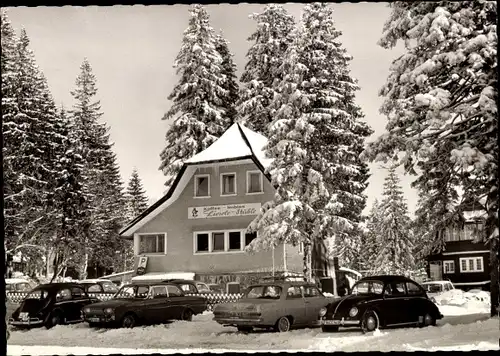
369 321
187 315
428 320
129 321
244 329
55 318
283 324
329 328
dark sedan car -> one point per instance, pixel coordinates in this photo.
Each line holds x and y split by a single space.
52 304
145 303
381 301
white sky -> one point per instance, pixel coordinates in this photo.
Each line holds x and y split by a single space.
132 51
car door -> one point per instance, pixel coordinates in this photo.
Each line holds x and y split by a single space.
395 304
64 302
417 302
176 302
314 301
79 300
295 304
157 304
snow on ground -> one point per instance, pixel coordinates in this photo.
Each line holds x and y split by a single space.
468 330
458 302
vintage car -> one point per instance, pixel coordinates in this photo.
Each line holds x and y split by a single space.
381 301
52 304
99 286
145 303
278 305
18 285
189 286
436 288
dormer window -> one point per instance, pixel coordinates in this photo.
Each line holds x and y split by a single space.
228 184
202 186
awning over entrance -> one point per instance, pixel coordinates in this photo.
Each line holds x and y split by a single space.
163 276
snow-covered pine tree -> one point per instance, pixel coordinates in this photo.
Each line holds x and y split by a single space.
230 80
275 27
197 99
137 200
440 99
370 249
395 245
314 140
102 186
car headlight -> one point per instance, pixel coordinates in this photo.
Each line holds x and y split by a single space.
353 312
322 311
109 311
86 310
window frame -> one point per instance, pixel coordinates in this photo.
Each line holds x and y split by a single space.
195 185
261 181
139 235
226 241
449 263
221 179
467 264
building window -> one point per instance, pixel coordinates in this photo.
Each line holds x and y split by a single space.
471 264
228 184
448 267
235 240
202 185
217 241
254 182
249 237
152 243
202 242
301 247
221 241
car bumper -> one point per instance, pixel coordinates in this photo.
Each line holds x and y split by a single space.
336 322
239 321
26 323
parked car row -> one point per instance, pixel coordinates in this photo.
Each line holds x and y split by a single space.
373 302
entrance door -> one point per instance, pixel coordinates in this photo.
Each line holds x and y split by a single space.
436 271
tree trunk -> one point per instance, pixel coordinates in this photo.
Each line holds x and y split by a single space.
84 266
494 274
307 262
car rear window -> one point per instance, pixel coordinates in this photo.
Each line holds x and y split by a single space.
110 287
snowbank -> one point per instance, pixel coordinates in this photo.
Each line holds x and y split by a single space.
477 332
458 302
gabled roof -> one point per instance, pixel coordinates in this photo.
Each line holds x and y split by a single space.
237 143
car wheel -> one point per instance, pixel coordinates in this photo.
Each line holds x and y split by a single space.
428 320
244 329
329 328
283 324
370 321
187 315
129 321
55 318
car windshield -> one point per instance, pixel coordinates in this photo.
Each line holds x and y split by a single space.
368 287
433 287
39 294
132 292
202 287
264 292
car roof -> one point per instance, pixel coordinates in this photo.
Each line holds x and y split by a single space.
385 278
58 285
176 280
436 282
97 280
282 283
149 283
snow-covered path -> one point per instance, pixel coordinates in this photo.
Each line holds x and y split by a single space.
458 332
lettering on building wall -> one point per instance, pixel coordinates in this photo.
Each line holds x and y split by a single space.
222 211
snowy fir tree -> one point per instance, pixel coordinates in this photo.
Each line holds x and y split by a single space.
274 33
370 242
230 80
137 200
395 245
315 140
102 186
441 104
198 99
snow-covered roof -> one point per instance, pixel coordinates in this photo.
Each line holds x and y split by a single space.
237 142
345 269
15 280
163 276
474 215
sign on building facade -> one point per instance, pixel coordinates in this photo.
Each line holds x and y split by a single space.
222 211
